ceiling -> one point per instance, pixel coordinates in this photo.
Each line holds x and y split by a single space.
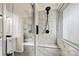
24 9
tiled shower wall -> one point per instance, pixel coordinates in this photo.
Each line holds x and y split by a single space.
47 39
42 18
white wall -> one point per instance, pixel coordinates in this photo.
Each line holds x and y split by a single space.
71 23
70 29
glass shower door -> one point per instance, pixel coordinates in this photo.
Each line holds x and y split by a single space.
25 12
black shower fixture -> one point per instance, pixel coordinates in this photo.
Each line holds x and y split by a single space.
47 9
47 24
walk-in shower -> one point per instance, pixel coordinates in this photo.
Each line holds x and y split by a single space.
33 29
39 29
37 21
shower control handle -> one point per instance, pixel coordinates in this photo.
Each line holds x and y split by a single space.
37 29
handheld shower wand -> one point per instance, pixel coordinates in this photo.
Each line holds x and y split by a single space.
47 28
47 9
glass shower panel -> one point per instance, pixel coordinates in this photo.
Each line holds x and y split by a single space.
25 15
28 30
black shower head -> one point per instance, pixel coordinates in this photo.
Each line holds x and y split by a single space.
47 9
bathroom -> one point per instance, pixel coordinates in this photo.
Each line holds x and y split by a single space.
38 29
